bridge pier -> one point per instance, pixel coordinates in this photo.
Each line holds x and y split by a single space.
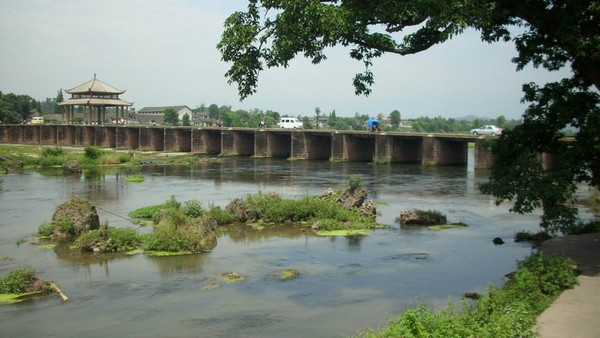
237 143
272 144
310 146
484 158
206 141
178 140
437 151
352 147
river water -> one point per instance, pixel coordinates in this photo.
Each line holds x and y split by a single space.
345 284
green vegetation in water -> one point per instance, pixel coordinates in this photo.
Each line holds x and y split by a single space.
20 283
5 258
135 179
357 232
47 246
510 311
422 217
459 225
326 213
156 253
22 240
210 287
286 274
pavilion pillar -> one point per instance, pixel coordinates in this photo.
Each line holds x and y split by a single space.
63 114
72 114
103 115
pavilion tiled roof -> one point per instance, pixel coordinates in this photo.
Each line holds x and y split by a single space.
95 86
94 102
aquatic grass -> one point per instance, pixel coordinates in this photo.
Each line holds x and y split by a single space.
108 239
221 216
273 209
509 311
135 179
12 298
344 233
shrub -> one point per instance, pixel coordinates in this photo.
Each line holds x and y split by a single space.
53 151
510 311
221 216
108 239
17 280
586 228
92 153
146 212
62 227
355 182
192 208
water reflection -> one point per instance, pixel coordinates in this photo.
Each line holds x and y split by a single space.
86 260
178 264
242 233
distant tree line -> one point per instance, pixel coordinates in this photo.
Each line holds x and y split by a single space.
16 108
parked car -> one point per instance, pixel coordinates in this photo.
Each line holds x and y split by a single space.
290 123
37 120
487 130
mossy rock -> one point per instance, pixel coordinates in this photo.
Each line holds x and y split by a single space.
285 275
422 217
80 213
353 232
232 277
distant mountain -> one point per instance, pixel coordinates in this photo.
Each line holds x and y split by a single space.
471 118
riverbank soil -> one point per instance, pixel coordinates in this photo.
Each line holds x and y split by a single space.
576 312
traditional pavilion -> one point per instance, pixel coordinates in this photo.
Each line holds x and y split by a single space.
94 96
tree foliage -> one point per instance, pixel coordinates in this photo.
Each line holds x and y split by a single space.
553 34
171 117
15 108
185 120
395 118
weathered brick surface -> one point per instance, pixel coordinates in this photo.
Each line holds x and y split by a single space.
228 143
145 141
128 138
441 151
5 134
353 147
307 145
105 137
261 147
244 143
17 134
32 135
48 135
206 141
279 144
157 138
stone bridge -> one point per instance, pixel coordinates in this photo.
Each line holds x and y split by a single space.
384 147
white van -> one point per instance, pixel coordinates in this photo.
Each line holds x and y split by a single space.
290 123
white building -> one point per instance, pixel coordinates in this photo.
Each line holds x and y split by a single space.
157 114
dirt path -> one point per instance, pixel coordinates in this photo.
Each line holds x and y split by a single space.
576 313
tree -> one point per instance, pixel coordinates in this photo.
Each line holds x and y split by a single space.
59 99
395 118
213 111
171 117
553 34
185 119
332 119
500 121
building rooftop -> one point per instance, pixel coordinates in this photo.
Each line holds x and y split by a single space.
95 86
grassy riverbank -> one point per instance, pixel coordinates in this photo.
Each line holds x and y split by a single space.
509 311
17 157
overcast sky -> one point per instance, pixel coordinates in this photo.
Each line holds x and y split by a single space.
163 53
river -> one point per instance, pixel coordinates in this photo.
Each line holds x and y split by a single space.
345 284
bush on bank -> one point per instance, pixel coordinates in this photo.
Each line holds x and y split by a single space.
509 311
